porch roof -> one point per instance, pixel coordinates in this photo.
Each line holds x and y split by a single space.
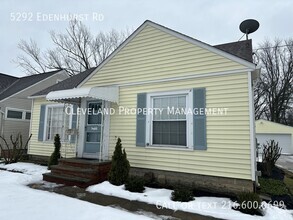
107 93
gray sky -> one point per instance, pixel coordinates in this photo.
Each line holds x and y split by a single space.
211 21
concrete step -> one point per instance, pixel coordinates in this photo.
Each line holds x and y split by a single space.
69 180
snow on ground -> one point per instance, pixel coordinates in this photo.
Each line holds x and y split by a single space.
18 201
212 206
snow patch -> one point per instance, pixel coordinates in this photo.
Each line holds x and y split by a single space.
210 206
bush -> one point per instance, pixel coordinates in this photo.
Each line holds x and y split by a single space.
249 203
15 151
273 187
56 153
271 153
120 166
182 194
135 184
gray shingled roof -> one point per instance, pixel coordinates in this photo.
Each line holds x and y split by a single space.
242 49
24 82
70 83
6 81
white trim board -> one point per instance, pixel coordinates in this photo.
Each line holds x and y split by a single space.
175 34
251 128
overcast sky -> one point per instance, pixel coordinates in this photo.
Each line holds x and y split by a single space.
211 21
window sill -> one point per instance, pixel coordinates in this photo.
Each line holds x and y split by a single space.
169 148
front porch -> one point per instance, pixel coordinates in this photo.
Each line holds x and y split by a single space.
78 172
88 136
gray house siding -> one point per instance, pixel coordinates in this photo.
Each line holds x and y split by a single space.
22 102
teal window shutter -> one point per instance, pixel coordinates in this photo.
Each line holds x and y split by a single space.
141 121
199 120
73 123
42 123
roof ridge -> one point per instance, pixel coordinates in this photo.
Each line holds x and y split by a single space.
9 75
33 75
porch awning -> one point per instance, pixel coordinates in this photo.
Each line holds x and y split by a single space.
107 93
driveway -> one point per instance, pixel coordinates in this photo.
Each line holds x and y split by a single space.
286 162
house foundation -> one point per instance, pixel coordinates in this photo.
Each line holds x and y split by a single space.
212 184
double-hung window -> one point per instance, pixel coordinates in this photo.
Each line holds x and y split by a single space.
57 122
169 125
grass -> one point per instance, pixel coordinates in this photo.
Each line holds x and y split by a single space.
273 187
288 180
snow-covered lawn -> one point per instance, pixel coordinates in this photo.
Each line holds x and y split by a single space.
216 207
17 201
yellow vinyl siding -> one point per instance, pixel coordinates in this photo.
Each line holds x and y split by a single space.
156 55
44 148
228 136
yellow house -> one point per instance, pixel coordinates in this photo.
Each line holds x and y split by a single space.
183 109
268 130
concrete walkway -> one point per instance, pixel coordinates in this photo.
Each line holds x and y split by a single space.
124 204
285 162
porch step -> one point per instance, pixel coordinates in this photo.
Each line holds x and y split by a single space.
74 171
67 180
78 172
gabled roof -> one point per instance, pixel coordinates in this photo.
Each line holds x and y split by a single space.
24 82
225 51
70 83
241 49
6 81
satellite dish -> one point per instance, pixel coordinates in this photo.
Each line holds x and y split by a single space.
248 26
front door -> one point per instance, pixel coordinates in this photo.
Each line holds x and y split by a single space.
93 130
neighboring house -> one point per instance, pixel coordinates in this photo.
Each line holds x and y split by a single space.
268 130
157 67
15 106
5 81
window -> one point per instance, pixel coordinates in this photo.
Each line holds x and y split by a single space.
57 122
17 114
169 125
27 115
14 114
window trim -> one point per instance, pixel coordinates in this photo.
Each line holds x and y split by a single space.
46 119
23 116
189 119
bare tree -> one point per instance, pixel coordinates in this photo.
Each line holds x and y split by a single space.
75 50
273 92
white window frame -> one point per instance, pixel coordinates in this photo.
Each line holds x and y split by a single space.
23 111
189 119
46 119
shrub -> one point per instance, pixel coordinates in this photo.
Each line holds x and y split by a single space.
182 194
272 187
120 166
271 153
135 184
249 203
13 152
56 153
